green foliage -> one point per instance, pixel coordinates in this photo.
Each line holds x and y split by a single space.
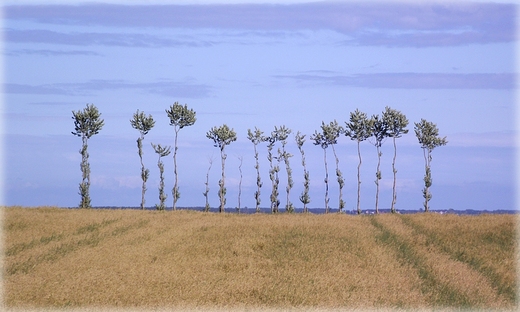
144 124
304 197
256 138
221 137
428 135
87 123
162 151
396 126
180 117
358 129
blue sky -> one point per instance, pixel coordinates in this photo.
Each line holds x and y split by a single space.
259 64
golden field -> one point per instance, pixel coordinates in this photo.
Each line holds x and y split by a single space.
133 259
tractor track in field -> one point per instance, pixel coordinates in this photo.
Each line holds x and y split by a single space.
89 235
445 279
458 254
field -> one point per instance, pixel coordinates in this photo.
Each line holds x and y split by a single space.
56 258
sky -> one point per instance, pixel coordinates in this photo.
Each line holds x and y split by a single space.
259 64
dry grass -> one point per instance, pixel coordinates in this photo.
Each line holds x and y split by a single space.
186 259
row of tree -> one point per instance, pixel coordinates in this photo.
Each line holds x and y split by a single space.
375 129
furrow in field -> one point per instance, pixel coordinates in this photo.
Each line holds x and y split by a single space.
89 235
474 257
447 281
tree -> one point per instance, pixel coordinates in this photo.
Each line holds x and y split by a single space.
222 136
143 124
358 129
206 192
396 126
87 123
428 136
281 135
329 137
256 138
180 117
162 152
273 173
379 132
304 197
240 182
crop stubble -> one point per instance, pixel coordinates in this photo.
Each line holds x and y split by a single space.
186 259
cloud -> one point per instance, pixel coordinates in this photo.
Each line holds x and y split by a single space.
167 88
487 139
51 52
372 23
91 38
409 80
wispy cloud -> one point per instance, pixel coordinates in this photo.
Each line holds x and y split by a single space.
372 23
488 139
91 38
167 88
409 80
44 52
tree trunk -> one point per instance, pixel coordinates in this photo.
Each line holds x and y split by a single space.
326 181
222 181
175 190
359 180
394 195
378 177
258 181
341 204
143 170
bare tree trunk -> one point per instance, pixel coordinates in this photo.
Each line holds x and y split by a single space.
341 203
326 182
258 181
206 208
359 180
394 195
143 170
222 192
240 183
427 180
378 177
175 190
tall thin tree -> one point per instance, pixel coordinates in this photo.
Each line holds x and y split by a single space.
221 137
379 132
359 129
428 135
162 152
144 124
329 137
256 138
87 123
180 117
304 197
396 123
273 173
282 134
206 192
240 182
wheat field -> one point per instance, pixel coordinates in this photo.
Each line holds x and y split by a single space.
133 259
